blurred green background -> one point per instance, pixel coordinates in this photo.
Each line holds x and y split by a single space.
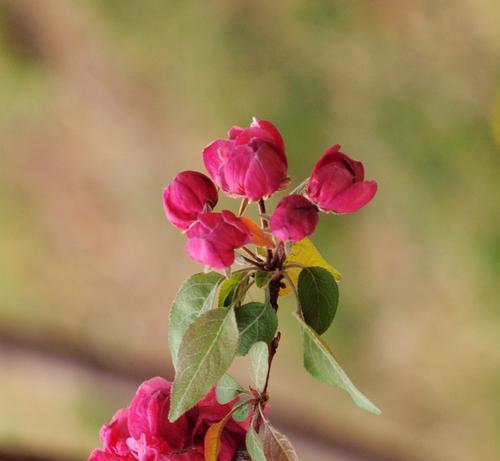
104 101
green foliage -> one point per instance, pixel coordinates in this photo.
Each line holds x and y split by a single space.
319 297
259 364
206 352
256 322
262 278
242 411
254 445
320 362
195 297
228 287
277 447
227 389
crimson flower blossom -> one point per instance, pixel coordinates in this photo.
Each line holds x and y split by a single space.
251 163
142 431
337 183
189 194
213 238
295 217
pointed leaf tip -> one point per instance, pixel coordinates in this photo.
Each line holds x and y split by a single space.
320 362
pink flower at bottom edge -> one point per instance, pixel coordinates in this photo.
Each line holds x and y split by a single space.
143 433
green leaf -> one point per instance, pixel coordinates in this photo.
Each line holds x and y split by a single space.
206 351
262 278
228 287
242 413
277 447
319 296
320 362
195 297
227 389
254 445
256 322
259 364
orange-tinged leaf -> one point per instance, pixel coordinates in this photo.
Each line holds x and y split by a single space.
212 440
304 253
259 237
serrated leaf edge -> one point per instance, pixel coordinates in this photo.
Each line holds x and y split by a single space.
174 410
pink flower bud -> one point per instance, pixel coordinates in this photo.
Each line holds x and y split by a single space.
214 237
337 183
294 218
251 163
188 195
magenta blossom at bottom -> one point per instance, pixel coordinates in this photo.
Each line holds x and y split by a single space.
142 431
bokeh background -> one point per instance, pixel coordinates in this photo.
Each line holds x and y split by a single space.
103 101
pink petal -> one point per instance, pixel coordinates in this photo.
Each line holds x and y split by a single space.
327 182
333 154
148 414
213 159
254 174
235 131
326 158
354 198
294 218
272 130
114 435
208 253
102 455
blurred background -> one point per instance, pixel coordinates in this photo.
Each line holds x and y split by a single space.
103 101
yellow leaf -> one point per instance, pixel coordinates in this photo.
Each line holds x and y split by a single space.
304 253
259 237
212 440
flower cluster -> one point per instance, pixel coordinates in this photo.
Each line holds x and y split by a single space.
252 164
205 414
142 432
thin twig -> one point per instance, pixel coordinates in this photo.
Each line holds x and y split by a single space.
251 253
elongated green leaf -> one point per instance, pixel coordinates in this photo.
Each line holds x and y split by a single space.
256 322
195 297
277 447
320 362
206 351
262 278
227 389
319 296
259 364
254 445
228 287
241 414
